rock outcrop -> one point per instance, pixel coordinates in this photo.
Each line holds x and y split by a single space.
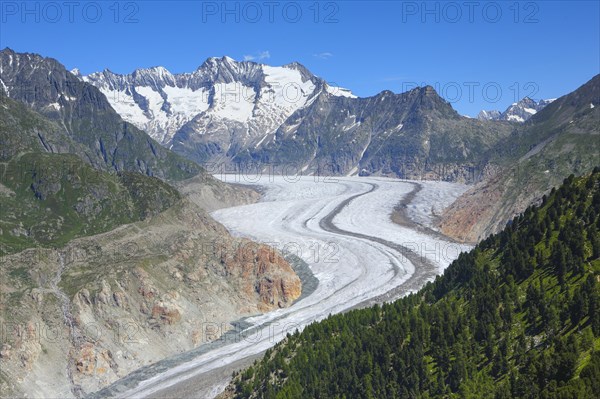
134 296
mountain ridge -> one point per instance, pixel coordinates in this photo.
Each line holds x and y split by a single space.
560 140
520 111
243 113
87 117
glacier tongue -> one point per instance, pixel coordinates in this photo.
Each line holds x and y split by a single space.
359 257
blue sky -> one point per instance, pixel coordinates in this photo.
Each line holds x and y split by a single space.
478 55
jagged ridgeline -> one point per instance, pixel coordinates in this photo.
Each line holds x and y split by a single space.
85 116
246 114
47 198
517 317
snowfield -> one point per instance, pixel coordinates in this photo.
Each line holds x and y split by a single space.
256 97
341 228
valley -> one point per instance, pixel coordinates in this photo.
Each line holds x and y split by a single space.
342 229
159 231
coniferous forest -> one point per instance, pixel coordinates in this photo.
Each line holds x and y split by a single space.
517 317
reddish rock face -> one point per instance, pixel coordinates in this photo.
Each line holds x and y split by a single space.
291 288
265 273
467 219
92 361
166 313
86 361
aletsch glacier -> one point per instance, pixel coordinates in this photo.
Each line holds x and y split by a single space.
339 226
368 259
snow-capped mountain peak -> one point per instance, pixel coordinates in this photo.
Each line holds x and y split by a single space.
244 97
339 91
491 115
516 112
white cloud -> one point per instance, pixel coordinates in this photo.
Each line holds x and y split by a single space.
393 79
261 55
324 56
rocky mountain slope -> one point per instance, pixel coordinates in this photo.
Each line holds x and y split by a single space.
79 317
561 139
83 112
104 267
240 115
517 112
415 134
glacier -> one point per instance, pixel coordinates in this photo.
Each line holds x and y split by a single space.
341 227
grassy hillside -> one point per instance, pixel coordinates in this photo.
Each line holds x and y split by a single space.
47 198
519 316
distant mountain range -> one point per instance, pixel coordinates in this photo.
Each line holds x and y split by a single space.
517 112
244 113
248 97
